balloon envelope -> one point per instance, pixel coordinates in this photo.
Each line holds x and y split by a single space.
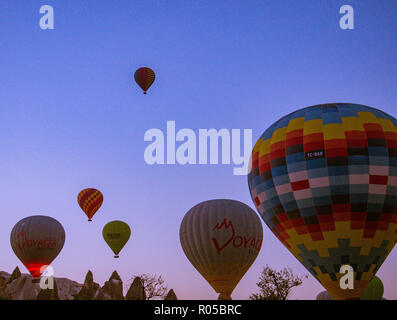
324 180
36 241
324 295
90 200
221 238
374 290
116 234
144 77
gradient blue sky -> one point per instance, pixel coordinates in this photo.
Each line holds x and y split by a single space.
72 117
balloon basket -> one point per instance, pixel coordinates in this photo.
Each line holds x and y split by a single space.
116 256
36 280
144 92
89 220
225 296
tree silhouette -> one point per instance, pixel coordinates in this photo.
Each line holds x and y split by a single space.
276 285
153 285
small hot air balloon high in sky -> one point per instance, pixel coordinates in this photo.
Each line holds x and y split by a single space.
116 234
37 241
144 77
90 200
221 238
324 180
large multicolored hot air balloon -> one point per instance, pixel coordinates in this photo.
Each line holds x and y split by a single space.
90 200
221 238
37 241
324 180
116 234
374 290
144 77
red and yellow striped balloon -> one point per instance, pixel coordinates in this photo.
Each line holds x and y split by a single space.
144 77
90 200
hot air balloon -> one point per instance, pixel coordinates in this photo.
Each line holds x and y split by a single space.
221 238
324 180
37 241
144 77
374 290
116 234
90 200
324 295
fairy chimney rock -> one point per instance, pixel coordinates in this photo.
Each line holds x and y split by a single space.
15 275
112 289
136 291
90 288
171 295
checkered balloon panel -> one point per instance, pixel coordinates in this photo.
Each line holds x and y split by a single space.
90 200
324 180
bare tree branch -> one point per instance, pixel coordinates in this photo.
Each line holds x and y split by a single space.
276 285
153 285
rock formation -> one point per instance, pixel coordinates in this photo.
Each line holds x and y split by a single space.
171 295
67 289
90 289
112 289
49 294
3 289
17 286
136 290
23 288
15 275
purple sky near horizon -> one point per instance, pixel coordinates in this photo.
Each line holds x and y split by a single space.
72 116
